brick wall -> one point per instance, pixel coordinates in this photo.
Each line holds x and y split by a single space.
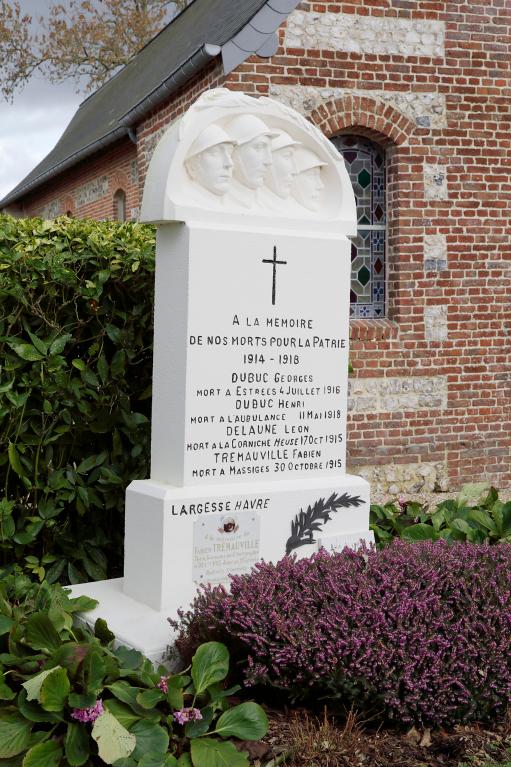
430 401
88 189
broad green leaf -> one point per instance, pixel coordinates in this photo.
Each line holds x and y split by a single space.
41 633
149 698
78 364
247 721
85 700
26 351
472 491
462 525
46 754
38 343
14 734
5 624
185 760
175 697
208 752
81 604
76 745
34 712
158 760
114 741
14 460
151 738
483 518
128 658
54 690
200 727
70 654
33 686
122 713
94 670
5 691
210 664
58 345
86 465
126 693
419 532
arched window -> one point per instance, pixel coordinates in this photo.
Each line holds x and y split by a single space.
365 162
120 205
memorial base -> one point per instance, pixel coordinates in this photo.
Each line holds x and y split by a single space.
177 538
134 624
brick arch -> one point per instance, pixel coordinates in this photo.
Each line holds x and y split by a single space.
118 180
365 116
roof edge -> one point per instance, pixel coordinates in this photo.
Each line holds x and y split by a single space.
179 77
105 141
257 36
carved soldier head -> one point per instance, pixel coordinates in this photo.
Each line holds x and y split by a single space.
282 173
209 160
308 184
252 154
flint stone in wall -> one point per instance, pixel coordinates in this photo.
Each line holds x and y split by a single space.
435 323
92 191
435 252
435 181
427 110
52 210
384 395
365 34
394 479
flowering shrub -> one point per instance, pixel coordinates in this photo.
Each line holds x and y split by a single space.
422 631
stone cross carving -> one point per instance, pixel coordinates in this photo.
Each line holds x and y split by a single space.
274 282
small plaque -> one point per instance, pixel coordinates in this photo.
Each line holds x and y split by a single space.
225 544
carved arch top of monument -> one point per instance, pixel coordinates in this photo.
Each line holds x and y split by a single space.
233 159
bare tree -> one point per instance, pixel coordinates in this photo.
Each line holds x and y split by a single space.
83 40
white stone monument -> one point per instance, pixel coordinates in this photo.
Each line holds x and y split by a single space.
254 208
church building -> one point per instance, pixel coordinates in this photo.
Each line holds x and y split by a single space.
416 95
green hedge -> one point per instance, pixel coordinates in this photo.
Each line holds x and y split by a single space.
75 356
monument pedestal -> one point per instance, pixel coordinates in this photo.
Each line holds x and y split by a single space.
177 538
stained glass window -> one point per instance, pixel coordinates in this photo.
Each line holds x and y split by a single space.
365 162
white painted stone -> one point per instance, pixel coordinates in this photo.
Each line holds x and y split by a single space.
161 520
428 110
435 181
368 34
250 354
435 252
338 542
435 323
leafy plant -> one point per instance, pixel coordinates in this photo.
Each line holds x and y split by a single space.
70 698
476 515
75 375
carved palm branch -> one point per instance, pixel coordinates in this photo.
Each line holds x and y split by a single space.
306 523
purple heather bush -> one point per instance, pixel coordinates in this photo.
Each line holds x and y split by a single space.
419 631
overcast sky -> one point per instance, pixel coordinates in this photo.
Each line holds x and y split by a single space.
30 127
33 123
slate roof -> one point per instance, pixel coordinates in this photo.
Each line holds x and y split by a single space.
206 28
